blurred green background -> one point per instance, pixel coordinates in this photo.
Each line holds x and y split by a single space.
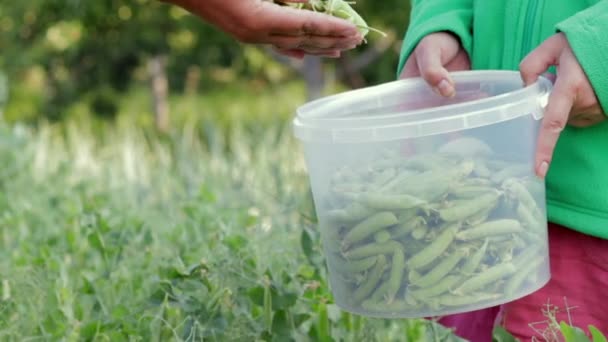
109 59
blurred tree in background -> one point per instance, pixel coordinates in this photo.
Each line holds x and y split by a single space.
59 54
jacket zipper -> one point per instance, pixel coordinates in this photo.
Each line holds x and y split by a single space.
529 21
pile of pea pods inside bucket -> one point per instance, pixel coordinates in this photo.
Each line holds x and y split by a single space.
457 223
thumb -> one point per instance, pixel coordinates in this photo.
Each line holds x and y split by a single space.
432 70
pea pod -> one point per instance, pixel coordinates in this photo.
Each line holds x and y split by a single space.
440 271
397 269
382 236
466 147
351 214
490 228
372 280
372 249
390 202
420 232
528 219
478 218
435 248
481 169
471 191
443 286
406 228
490 275
518 279
348 188
369 226
516 190
474 261
469 208
456 300
517 170
383 177
348 267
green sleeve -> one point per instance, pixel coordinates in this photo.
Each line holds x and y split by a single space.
587 33
429 16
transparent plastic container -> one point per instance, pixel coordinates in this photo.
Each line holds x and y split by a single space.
429 206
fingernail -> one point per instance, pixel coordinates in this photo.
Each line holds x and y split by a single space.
542 169
445 88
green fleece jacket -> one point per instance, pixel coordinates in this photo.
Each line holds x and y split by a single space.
498 34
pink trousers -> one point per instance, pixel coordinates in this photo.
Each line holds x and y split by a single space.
578 291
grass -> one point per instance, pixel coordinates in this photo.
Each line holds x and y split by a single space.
121 235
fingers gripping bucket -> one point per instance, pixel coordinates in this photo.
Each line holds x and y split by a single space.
429 206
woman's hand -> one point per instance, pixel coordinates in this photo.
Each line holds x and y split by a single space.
291 31
572 100
434 56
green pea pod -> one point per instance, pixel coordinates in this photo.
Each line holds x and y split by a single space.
435 248
426 162
481 169
476 181
529 221
469 207
528 254
490 228
390 202
406 228
522 274
382 236
471 191
441 270
431 184
420 232
348 267
466 147
372 280
456 300
478 218
372 249
488 276
515 189
397 269
383 177
442 286
351 214
474 261
407 215
341 188
518 170
369 226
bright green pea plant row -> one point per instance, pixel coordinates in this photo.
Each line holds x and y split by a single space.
434 232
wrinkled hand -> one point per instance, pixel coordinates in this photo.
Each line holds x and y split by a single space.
436 55
293 32
572 100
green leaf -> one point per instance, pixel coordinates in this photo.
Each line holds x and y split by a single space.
502 335
323 324
236 243
281 329
306 243
596 334
96 241
573 334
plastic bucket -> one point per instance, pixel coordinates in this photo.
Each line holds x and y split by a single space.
429 206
